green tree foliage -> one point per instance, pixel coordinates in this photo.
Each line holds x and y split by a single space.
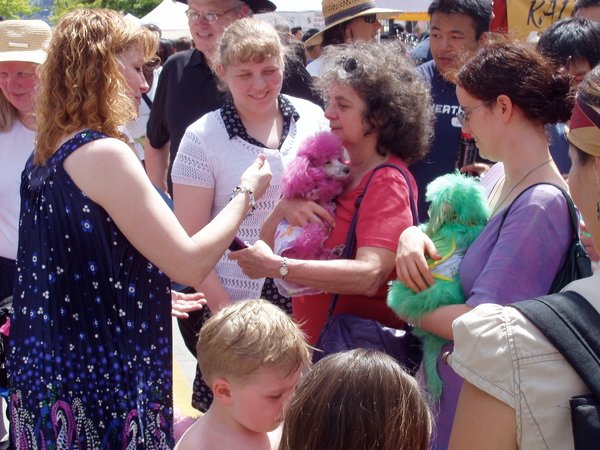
16 9
138 8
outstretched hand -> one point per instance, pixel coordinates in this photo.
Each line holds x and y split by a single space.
257 261
182 304
411 266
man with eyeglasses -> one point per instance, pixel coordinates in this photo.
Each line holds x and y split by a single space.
187 88
455 26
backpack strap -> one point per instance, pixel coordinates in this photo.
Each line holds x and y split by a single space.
351 236
570 205
572 325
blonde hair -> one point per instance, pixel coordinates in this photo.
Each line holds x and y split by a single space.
357 400
81 84
247 335
8 113
249 39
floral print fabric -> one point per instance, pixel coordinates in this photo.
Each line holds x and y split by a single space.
90 346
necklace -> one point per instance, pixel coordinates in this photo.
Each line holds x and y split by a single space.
515 186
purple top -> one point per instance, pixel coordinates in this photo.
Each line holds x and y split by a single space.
519 263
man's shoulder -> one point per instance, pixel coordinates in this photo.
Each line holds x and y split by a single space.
427 70
179 60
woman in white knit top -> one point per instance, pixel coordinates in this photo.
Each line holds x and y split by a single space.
249 61
213 152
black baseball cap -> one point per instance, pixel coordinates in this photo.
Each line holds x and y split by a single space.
257 6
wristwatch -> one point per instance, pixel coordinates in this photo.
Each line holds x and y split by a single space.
283 270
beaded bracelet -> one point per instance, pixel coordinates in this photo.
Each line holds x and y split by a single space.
245 189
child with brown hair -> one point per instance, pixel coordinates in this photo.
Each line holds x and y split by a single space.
251 354
357 400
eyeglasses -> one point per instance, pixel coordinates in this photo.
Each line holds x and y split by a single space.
371 18
208 17
463 115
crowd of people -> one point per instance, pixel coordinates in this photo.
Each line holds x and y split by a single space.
98 235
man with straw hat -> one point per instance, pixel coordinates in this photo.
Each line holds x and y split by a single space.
347 21
22 49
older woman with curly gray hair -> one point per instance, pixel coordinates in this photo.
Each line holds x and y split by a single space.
381 111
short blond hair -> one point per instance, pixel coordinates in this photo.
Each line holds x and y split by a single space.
246 336
8 113
249 39
81 84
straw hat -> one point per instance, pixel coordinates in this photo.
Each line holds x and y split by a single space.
24 40
340 11
257 6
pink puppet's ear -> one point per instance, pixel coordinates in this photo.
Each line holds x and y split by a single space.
296 180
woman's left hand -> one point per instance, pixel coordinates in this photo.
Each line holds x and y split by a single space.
257 261
182 304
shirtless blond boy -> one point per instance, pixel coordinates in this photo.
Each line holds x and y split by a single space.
251 354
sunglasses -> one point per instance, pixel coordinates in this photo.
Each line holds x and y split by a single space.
371 18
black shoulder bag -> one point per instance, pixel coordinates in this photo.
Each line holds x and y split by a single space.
347 331
572 325
578 264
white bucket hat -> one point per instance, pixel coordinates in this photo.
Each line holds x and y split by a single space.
24 40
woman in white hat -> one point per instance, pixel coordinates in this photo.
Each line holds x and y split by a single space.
22 49
347 21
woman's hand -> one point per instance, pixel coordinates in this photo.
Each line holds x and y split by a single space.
182 304
477 168
298 212
257 261
411 265
257 176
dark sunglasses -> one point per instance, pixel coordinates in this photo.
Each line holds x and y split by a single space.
371 18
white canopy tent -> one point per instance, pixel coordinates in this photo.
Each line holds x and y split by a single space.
170 17
307 13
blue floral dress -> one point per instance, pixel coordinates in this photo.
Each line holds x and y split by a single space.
90 344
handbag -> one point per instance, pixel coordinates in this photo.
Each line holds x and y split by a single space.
577 264
572 325
347 331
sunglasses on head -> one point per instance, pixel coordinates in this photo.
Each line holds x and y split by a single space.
371 18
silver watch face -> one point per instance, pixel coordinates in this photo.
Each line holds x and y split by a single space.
283 271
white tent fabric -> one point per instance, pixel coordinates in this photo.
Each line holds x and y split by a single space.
297 5
170 17
405 5
315 5
307 13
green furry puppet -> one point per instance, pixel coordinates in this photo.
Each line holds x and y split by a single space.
458 212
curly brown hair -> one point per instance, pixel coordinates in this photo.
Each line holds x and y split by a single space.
81 84
398 102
